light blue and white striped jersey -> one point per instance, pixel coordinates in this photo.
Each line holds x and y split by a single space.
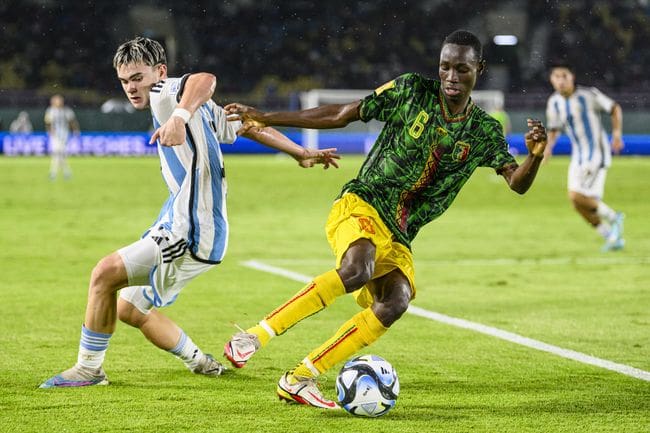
59 119
194 173
579 116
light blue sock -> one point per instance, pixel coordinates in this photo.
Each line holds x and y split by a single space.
92 348
187 351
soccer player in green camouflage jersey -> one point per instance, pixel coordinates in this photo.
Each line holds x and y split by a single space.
433 139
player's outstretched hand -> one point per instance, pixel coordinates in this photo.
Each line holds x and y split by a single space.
170 133
249 116
535 138
327 157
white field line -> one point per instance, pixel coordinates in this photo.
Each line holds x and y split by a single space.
550 261
478 327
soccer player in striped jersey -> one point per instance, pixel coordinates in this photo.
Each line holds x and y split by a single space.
60 121
576 110
433 139
190 235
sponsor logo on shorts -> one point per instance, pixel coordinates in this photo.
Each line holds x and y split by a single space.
365 224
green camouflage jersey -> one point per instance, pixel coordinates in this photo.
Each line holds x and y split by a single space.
423 155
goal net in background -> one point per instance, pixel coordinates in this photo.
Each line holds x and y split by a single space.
358 137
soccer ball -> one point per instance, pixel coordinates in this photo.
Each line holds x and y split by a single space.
367 386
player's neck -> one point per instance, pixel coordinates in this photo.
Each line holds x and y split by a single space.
456 107
568 92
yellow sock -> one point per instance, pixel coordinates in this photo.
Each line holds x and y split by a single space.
361 330
309 300
262 334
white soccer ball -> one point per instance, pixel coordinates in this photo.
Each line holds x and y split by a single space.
367 386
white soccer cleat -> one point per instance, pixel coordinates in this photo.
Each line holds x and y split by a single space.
77 376
209 367
241 347
303 391
615 239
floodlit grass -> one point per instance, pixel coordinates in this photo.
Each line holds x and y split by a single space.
527 265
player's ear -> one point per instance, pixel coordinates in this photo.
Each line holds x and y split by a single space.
162 71
482 66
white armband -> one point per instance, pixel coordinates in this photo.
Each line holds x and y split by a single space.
182 113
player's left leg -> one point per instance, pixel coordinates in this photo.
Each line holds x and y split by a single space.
586 189
136 310
391 294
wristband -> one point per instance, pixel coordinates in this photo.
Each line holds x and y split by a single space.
182 113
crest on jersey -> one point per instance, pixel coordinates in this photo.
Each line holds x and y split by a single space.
173 89
461 151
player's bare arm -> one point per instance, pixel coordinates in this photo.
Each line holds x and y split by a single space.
617 129
323 117
199 88
521 177
551 138
306 157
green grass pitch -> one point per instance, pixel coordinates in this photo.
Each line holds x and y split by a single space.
523 264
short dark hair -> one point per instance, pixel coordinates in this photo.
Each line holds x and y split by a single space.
561 63
140 50
467 38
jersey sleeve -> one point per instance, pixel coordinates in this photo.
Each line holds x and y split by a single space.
69 114
226 130
602 101
164 97
382 102
553 121
498 155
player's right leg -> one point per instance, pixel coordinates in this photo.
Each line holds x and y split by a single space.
312 298
351 234
106 279
356 269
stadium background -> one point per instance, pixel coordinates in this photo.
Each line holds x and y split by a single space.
265 53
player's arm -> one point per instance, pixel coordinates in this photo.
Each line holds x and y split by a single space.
197 90
552 136
74 125
617 128
520 177
306 157
323 117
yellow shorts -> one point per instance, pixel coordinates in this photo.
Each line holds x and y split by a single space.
350 219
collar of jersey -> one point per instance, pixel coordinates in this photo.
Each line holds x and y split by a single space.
445 110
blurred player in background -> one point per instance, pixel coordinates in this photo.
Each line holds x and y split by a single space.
21 124
576 110
190 235
434 137
60 120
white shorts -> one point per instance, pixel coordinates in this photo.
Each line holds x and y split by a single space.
586 180
58 144
158 267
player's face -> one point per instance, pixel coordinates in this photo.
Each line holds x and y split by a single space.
458 71
137 80
563 81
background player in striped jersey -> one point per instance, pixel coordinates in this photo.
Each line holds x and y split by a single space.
191 233
433 139
60 121
577 111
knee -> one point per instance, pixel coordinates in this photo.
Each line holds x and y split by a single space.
391 308
108 275
356 276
